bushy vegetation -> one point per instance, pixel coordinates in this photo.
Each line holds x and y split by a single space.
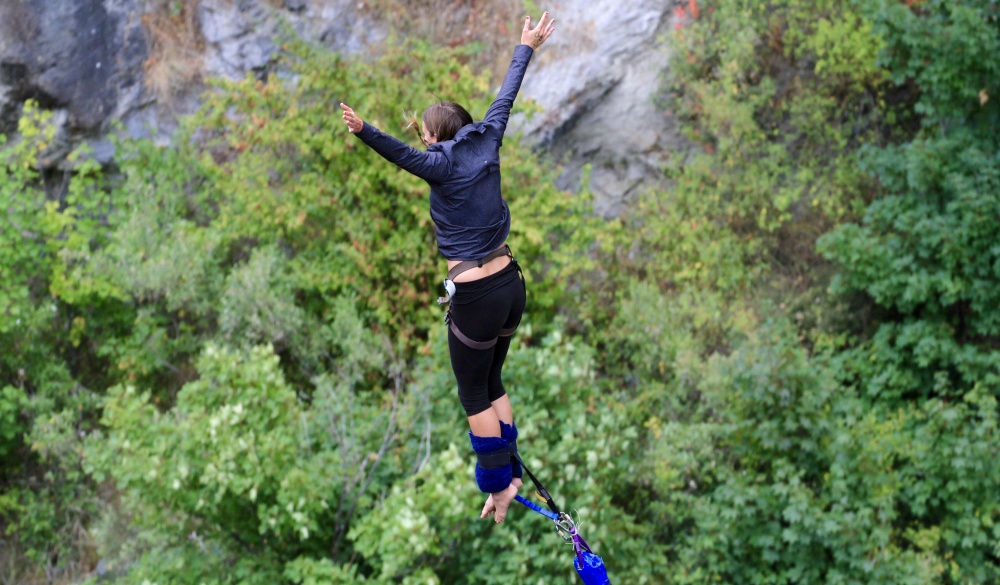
224 365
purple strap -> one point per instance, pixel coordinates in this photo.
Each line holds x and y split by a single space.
579 544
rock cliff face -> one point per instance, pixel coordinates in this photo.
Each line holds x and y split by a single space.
88 61
81 58
598 79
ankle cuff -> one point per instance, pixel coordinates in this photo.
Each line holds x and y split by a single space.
509 432
494 474
493 479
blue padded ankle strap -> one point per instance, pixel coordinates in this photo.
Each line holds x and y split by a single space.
509 432
493 469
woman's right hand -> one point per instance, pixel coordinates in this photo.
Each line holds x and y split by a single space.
534 37
353 121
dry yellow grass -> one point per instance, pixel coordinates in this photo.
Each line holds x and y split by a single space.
176 46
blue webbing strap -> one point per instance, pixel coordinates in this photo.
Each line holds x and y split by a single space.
537 508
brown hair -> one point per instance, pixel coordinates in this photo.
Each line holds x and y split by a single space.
444 119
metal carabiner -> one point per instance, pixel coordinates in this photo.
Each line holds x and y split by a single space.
565 526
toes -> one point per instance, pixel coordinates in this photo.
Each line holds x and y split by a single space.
489 508
500 514
501 509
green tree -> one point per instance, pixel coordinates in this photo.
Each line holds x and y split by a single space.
821 447
924 254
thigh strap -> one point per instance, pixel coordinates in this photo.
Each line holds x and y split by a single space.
459 269
469 342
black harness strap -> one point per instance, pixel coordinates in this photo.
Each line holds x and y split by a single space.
539 488
466 265
493 459
468 341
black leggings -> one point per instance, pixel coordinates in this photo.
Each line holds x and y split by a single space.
480 309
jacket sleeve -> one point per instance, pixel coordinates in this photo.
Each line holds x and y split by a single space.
431 166
499 112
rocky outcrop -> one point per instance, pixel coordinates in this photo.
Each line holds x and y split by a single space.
596 78
81 58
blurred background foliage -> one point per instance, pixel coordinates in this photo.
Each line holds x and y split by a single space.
223 363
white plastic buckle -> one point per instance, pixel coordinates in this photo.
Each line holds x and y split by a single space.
449 288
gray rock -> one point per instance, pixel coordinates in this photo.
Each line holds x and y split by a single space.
596 80
339 25
79 55
239 36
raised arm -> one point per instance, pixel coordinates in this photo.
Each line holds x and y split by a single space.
430 166
531 39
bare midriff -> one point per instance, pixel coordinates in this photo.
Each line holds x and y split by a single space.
492 267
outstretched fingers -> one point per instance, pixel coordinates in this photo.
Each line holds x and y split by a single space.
352 120
537 35
548 29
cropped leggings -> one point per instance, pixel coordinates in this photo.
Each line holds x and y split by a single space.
481 309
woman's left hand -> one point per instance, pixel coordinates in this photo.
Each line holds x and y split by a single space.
353 121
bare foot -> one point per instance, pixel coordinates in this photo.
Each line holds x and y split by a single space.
499 502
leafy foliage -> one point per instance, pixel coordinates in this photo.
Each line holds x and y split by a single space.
768 463
223 366
924 253
267 226
790 476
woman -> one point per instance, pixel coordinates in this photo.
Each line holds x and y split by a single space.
486 290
